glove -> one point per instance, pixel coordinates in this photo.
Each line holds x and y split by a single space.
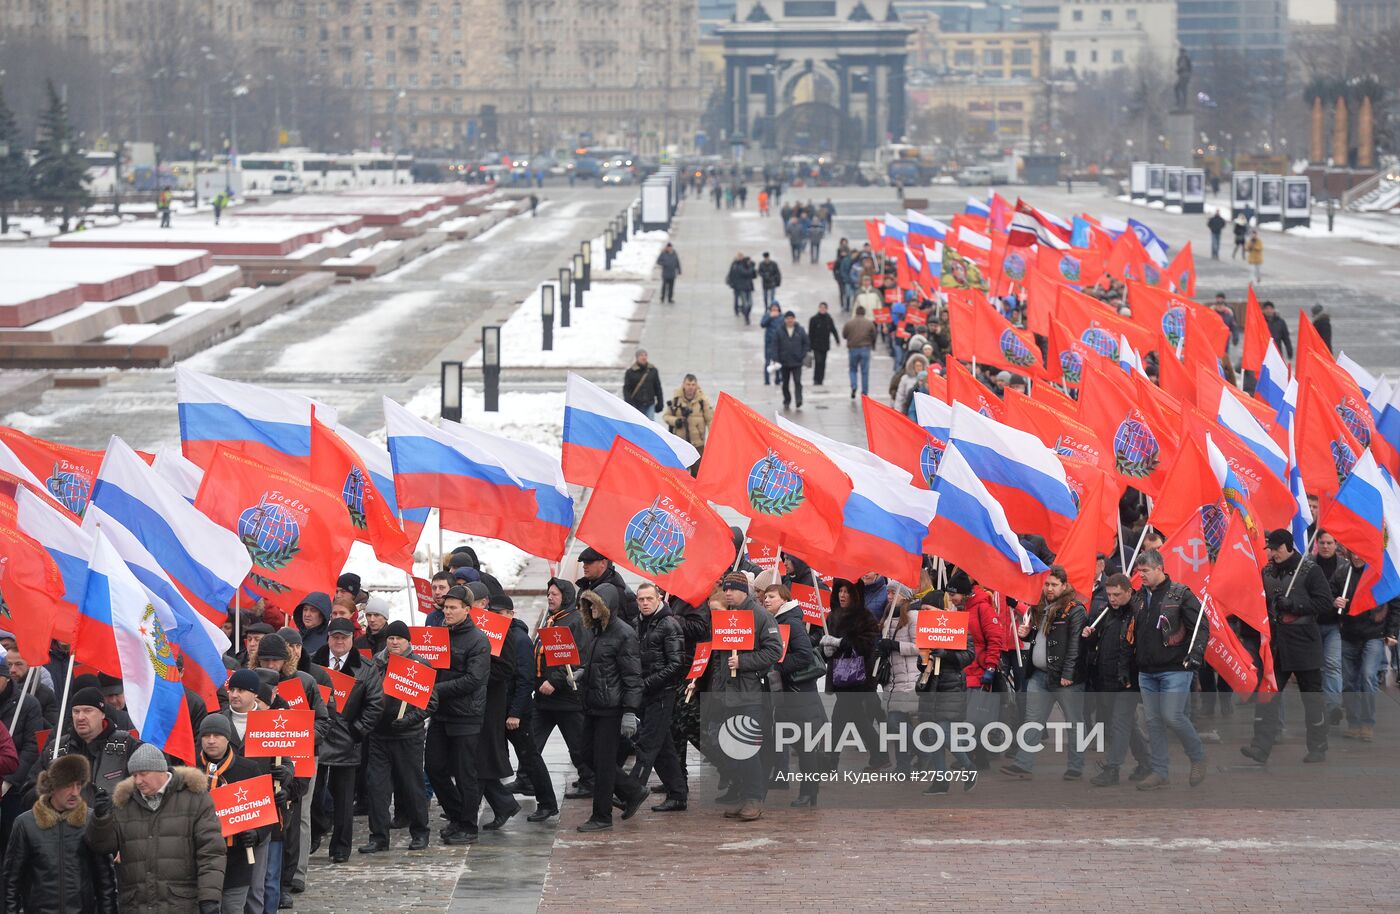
888 646
245 839
279 774
988 677
629 725
209 907
102 804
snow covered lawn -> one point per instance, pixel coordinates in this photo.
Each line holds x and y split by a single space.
596 338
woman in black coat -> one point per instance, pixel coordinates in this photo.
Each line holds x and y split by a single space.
853 632
942 690
741 275
800 703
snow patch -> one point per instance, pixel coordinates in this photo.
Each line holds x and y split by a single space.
379 323
597 337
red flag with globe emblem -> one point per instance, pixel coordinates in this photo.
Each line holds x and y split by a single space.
298 534
336 466
772 475
892 436
1327 450
965 389
1132 426
650 520
981 334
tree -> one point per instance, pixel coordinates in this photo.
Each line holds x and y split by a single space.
14 164
60 172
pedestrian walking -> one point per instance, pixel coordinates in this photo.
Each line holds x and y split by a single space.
163 207
1241 230
558 703
1254 252
245 863
493 759
395 768
519 717
1111 676
821 335
1278 328
796 232
689 413
339 753
1365 637
161 823
771 276
771 322
220 201
1322 323
793 348
860 334
661 646
1216 223
460 691
641 386
816 231
670 263
534 205
740 280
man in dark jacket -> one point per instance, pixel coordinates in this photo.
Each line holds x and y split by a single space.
1169 638
26 723
1112 679
599 569
1322 323
670 263
771 276
339 752
821 335
223 765
492 757
519 716
1056 671
791 350
1366 636
662 646
557 700
641 386
311 618
740 279
376 618
49 868
106 748
1297 592
610 678
1278 329
396 755
1216 223
460 691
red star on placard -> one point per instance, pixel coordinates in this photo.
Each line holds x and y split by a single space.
279 722
241 794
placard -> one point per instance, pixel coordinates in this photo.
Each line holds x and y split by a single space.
41 737
701 660
882 315
431 642
813 610
936 629
423 590
494 625
293 693
784 632
244 805
327 695
559 646
764 555
1297 201
409 681
916 316
341 684
731 629
279 732
1270 189
891 296
1137 180
1193 190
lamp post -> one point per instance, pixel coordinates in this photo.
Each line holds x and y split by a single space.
5 204
566 276
585 249
452 391
578 281
547 314
608 239
491 366
194 170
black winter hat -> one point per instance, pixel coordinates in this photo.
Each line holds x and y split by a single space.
340 627
272 647
396 629
502 603
349 582
89 696
216 723
591 555
1280 537
247 680
459 593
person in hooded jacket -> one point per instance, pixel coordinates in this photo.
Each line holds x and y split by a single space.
519 717
662 651
852 635
898 659
396 754
49 867
599 569
312 617
800 703
610 678
493 759
558 703
460 691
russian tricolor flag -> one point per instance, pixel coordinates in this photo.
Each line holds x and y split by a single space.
594 419
270 426
1363 378
181 475
970 530
381 473
924 228
1272 383
1365 517
1236 417
1302 514
1388 422
975 207
1019 471
67 545
933 415
896 229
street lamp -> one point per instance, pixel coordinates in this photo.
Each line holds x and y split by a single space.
585 249
452 391
608 239
547 314
491 366
565 281
578 281
194 170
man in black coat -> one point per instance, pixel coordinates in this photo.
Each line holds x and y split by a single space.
821 335
664 662
1297 593
772 277
1278 329
641 386
339 752
492 758
1322 323
611 681
28 722
92 735
1113 680
670 263
792 349
599 569
396 755
557 700
519 717
224 764
460 691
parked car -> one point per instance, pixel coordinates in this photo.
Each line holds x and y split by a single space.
285 183
618 176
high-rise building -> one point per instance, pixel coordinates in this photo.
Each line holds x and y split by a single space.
1098 36
1258 29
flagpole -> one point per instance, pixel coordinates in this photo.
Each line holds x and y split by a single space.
237 619
817 589
1345 585
1138 548
63 706
24 690
1306 548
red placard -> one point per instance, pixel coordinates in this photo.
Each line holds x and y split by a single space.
341 684
916 316
813 612
938 629
495 626
882 315
366 653
42 738
423 588
702 659
784 632
279 732
293 694
559 646
304 767
731 629
891 296
409 681
244 805
327 695
764 555
431 643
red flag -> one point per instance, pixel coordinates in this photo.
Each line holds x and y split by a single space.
1080 548
1170 312
336 466
1309 342
1041 292
964 388
67 472
1237 588
937 383
1190 488
1256 335
1129 260
297 534
1055 399
30 588
763 471
1175 378
1326 448
1263 490
874 234
1142 439
1339 390
1093 322
1188 552
652 523
1076 266
1181 272
893 436
981 334
1084 478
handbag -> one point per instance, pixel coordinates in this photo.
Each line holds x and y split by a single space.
814 670
808 360
848 672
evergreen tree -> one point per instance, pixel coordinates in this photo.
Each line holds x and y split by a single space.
14 165
60 172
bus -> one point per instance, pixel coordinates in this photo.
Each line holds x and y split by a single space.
316 171
101 172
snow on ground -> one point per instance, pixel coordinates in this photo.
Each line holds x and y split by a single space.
360 254
413 265
1378 229
635 261
379 323
595 339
